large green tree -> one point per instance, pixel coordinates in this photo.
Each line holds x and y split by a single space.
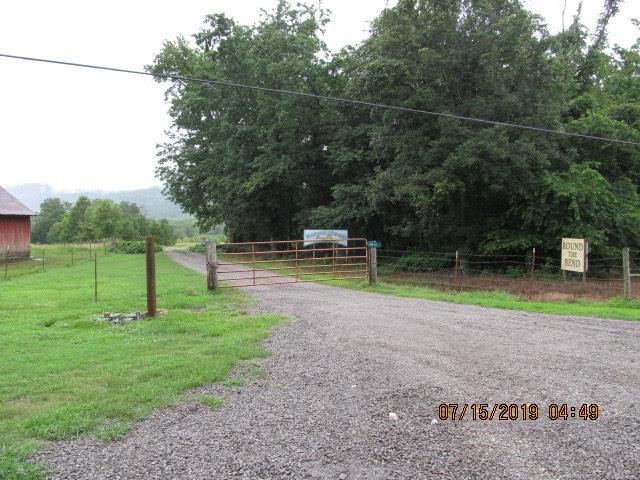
441 183
268 164
255 160
52 210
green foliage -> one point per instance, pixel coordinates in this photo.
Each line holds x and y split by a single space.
113 432
419 262
200 247
615 308
96 220
256 160
52 210
268 165
209 400
137 246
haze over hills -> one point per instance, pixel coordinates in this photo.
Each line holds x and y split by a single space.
151 200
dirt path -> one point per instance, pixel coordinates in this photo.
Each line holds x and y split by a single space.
349 358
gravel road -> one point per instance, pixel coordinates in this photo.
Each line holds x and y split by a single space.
347 359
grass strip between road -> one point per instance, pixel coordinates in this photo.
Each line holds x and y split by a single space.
64 374
616 308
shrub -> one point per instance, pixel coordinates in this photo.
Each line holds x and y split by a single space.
200 247
131 246
419 261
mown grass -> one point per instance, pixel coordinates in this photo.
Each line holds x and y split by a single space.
64 374
59 255
616 308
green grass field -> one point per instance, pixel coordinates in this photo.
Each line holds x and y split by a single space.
64 374
59 255
617 308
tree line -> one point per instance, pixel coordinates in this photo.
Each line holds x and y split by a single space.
89 220
268 165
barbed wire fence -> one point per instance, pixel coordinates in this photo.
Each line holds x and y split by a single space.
540 279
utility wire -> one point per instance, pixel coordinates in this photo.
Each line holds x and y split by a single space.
187 78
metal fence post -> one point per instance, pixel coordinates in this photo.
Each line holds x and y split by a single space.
212 266
95 278
253 260
151 277
533 269
456 273
373 266
626 273
586 261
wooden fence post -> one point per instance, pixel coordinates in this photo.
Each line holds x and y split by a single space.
373 266
151 277
626 273
212 266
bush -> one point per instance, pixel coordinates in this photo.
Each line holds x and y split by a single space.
200 247
132 246
419 261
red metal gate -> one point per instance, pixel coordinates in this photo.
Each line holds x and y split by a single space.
251 264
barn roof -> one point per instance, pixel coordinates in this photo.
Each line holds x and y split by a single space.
10 205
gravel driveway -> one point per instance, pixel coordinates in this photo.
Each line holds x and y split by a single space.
349 358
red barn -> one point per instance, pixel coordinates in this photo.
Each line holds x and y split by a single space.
15 226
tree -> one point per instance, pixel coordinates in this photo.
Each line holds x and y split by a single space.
52 210
416 180
267 165
103 218
73 227
163 233
253 159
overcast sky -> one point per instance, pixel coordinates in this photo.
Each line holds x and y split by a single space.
78 130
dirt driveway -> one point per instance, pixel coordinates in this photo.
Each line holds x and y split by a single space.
349 358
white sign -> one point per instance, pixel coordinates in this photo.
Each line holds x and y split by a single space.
337 237
574 254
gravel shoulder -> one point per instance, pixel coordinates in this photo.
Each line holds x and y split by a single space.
347 358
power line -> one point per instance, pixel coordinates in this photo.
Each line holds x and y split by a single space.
187 78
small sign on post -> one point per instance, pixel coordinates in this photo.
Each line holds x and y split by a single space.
574 255
374 244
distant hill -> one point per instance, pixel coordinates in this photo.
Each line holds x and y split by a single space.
151 200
